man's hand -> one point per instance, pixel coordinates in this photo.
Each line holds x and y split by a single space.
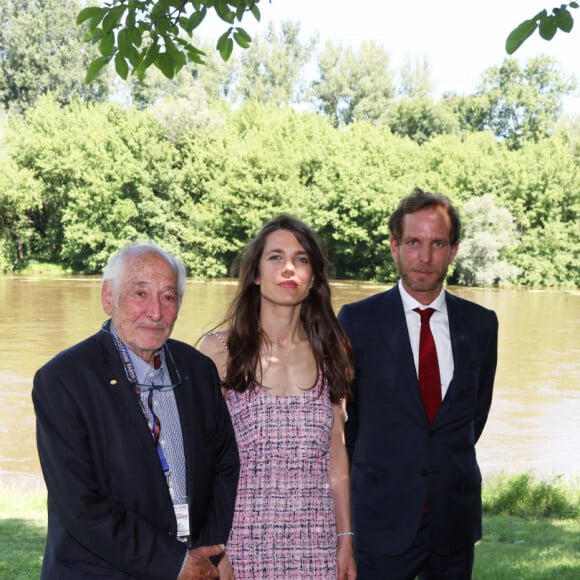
225 569
198 564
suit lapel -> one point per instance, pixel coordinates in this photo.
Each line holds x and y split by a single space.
459 336
122 395
395 335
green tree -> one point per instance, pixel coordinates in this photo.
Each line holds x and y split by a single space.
273 66
104 178
524 103
471 111
20 201
421 118
488 231
331 89
179 117
354 85
542 191
416 79
41 52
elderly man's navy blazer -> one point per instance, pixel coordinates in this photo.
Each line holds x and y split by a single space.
110 514
398 460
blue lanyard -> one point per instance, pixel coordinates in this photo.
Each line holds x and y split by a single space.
132 378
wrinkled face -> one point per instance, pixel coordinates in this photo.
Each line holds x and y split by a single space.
424 253
285 274
147 305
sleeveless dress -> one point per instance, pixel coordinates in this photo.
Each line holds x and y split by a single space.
284 522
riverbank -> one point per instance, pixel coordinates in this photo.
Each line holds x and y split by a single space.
531 530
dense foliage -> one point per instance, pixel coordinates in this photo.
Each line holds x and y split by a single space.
334 136
41 51
78 181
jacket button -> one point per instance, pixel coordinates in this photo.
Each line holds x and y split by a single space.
424 472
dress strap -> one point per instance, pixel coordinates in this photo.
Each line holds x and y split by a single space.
220 338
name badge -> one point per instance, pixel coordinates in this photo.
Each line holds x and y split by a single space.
182 517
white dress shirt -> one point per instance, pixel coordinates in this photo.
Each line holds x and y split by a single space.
439 329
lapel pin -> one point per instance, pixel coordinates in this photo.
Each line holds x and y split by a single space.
113 382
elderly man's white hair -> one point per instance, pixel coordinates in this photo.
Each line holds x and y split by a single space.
116 264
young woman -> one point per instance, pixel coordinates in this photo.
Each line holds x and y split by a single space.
286 368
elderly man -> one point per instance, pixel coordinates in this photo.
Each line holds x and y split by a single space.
134 438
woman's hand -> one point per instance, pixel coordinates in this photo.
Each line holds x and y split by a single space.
345 559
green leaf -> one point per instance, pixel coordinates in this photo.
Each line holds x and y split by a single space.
175 54
163 26
242 38
196 55
136 37
124 43
178 65
542 14
135 57
225 46
107 44
160 9
95 68
165 64
92 35
90 12
565 21
95 21
130 19
151 54
113 17
548 27
197 18
519 34
256 12
185 25
121 66
223 11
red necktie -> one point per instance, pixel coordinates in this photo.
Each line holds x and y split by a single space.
429 378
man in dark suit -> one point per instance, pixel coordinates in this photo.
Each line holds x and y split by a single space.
134 438
416 484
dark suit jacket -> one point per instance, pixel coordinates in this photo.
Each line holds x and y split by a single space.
109 510
399 460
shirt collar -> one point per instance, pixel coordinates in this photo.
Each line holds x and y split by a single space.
409 303
143 370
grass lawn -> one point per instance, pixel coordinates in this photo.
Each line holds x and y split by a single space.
532 549
531 531
22 533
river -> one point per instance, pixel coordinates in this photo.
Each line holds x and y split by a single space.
533 425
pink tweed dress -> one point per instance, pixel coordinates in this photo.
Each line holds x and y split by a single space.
284 522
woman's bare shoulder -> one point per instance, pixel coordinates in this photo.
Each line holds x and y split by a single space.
215 345
215 341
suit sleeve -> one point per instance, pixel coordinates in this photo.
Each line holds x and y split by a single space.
220 511
108 532
351 425
487 377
